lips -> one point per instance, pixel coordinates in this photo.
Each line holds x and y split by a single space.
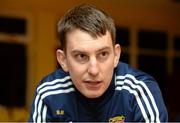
93 84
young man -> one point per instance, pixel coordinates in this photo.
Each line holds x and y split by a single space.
93 86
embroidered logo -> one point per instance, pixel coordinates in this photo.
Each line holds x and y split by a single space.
60 112
117 119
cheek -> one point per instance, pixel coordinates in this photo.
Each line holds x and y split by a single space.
76 71
75 77
110 63
108 69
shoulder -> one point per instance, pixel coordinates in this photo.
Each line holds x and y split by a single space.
57 74
58 82
143 88
51 95
132 78
136 83
127 72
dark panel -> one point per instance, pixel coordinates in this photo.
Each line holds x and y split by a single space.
122 36
173 86
152 39
176 1
176 66
12 25
13 74
155 66
125 58
177 43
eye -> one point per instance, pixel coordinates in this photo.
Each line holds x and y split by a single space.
82 58
103 55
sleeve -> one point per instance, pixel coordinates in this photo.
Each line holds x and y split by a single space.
39 110
148 104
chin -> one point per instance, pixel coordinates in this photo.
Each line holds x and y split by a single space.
93 95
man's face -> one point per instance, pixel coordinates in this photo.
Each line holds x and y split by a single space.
90 62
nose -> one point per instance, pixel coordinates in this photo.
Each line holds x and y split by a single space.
93 68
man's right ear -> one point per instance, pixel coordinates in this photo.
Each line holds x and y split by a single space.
61 58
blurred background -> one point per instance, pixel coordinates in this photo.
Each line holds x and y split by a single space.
148 31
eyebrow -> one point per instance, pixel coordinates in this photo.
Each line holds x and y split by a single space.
84 52
104 48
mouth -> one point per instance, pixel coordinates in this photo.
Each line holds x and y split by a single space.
93 85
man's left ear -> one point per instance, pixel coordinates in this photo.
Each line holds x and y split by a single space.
117 53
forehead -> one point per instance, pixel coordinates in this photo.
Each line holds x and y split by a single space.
81 40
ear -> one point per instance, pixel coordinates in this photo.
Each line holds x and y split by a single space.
117 53
61 58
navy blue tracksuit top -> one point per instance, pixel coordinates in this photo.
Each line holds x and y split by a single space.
133 96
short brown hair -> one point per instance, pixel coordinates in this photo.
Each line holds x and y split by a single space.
88 18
